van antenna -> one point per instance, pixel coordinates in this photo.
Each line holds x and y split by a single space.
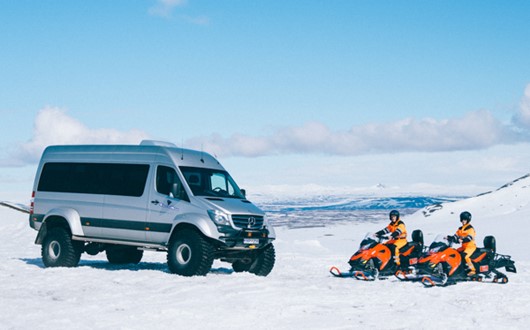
202 153
182 150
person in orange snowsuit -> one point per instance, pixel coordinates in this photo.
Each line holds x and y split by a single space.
398 234
466 235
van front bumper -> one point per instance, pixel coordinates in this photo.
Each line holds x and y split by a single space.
246 239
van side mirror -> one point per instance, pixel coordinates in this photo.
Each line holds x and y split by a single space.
176 191
244 192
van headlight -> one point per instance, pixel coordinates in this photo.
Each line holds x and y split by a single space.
219 217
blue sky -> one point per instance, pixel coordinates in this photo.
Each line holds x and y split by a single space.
325 93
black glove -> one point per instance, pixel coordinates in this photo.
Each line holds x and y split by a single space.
452 239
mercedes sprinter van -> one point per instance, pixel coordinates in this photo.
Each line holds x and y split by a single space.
125 199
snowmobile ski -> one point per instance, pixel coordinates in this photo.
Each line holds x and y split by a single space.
357 274
430 281
408 276
337 273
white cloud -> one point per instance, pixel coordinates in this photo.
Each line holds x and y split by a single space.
164 8
476 130
522 118
54 126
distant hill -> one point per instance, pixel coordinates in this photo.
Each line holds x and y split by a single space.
509 198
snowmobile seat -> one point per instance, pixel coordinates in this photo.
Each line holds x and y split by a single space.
480 254
411 249
407 249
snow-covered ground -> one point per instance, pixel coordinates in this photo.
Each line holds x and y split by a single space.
298 294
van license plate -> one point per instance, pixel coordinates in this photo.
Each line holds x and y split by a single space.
251 241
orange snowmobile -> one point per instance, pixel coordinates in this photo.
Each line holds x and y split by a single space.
374 258
443 265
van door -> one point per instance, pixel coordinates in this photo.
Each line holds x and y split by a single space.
125 202
167 201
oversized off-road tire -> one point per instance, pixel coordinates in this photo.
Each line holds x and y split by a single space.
121 255
264 262
190 254
58 249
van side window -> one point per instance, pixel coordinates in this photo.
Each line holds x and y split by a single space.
169 184
93 178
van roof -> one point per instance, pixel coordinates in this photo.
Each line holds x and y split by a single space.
145 152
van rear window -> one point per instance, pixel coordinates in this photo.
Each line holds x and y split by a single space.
91 178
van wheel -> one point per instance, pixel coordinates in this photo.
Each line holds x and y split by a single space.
264 262
120 255
189 254
58 250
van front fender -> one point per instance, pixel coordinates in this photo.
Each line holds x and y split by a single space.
203 224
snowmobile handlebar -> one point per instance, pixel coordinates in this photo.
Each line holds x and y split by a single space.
452 240
382 238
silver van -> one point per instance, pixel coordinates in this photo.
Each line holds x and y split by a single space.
125 199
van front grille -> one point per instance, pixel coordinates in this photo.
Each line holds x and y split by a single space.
247 221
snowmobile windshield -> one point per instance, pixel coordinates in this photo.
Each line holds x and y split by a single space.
439 243
441 239
368 241
210 182
368 235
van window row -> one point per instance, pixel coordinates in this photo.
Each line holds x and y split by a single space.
93 178
130 180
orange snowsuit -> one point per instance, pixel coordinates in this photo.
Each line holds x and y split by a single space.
467 234
398 233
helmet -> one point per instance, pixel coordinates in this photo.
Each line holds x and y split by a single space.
393 213
465 216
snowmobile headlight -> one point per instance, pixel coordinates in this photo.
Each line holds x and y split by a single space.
219 217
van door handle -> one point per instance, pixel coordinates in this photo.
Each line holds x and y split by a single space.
155 202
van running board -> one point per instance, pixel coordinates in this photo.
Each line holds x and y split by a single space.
140 245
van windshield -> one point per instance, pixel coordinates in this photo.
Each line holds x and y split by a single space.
210 182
